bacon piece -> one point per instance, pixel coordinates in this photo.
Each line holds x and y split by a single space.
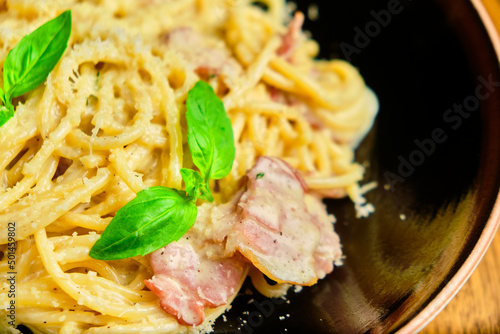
328 251
292 37
187 281
208 58
278 227
273 222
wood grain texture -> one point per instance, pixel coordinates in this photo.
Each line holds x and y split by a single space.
493 7
476 307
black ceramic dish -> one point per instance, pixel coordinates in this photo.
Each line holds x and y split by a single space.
426 60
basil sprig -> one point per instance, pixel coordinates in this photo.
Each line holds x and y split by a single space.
29 63
154 218
158 216
209 128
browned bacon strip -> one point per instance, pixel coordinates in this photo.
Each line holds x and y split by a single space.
273 222
283 231
292 37
187 281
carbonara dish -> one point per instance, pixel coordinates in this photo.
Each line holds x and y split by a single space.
119 123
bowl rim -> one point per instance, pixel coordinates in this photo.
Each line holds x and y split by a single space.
450 290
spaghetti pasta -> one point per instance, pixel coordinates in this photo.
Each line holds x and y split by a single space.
109 121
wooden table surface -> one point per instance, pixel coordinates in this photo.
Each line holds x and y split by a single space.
476 307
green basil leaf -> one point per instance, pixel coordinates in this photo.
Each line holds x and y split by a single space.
6 113
196 186
2 96
29 63
210 134
193 181
155 218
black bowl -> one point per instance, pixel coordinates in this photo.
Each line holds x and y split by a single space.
435 152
